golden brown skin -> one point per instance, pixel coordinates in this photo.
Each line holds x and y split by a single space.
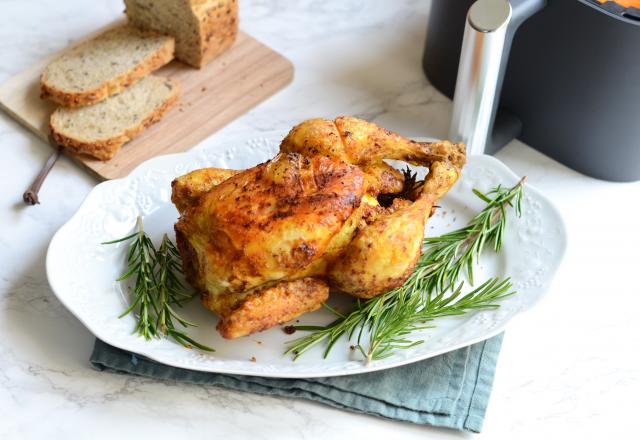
383 254
186 190
264 244
365 144
283 220
269 306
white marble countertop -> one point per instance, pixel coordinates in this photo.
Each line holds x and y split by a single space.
568 369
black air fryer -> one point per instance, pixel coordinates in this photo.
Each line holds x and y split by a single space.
565 77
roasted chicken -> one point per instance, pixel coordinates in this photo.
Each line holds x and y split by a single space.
267 244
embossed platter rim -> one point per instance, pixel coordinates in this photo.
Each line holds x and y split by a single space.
81 272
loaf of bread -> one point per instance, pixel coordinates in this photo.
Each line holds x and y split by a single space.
202 28
99 130
104 65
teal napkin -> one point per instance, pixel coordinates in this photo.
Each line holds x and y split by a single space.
451 390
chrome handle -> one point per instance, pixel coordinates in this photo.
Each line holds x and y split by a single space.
478 74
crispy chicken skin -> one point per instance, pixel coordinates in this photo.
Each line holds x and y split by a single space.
268 306
383 254
281 221
186 190
266 244
360 142
365 144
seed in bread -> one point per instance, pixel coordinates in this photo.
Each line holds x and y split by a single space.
202 28
100 130
105 65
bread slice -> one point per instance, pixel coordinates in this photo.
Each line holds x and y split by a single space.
202 28
104 65
99 130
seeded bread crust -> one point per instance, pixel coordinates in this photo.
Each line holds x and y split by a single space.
111 87
218 29
106 149
202 28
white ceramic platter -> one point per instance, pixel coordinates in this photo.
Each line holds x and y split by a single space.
81 271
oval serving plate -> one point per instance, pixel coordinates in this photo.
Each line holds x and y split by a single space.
81 271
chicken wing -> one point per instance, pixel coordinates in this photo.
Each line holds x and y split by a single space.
266 307
186 190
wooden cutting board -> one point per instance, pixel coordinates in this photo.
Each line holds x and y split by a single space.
244 75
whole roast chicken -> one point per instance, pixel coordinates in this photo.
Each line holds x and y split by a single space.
267 244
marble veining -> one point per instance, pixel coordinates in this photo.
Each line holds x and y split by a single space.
568 369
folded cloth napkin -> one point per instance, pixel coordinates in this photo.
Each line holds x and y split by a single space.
451 390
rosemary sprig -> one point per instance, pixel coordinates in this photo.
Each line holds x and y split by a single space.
390 317
157 289
141 265
450 253
411 312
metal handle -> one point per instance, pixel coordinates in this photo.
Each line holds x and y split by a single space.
489 31
482 45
